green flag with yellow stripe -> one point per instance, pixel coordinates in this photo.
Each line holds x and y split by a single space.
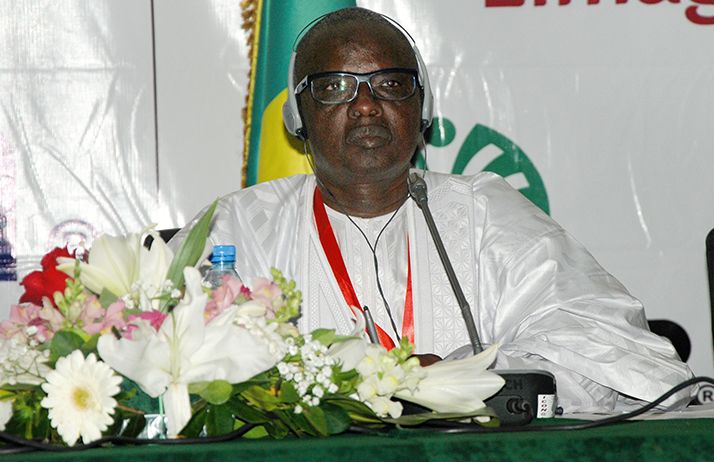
269 151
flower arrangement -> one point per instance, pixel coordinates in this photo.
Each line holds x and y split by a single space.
124 321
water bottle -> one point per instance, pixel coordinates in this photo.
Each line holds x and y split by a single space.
223 260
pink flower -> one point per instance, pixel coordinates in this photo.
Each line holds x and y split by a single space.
229 292
155 318
90 318
97 320
30 321
268 293
114 317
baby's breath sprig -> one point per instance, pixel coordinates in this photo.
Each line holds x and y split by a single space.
310 369
169 296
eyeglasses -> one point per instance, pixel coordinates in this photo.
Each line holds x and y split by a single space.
342 87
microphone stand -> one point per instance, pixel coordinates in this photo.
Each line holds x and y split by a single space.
417 189
527 393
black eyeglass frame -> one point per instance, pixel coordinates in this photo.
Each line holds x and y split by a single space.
308 79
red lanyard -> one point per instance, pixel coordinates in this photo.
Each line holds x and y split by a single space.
337 263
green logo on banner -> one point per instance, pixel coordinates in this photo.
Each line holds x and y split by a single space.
493 152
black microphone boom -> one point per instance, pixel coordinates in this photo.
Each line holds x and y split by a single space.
527 393
417 189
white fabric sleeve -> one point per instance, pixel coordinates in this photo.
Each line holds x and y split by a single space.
557 309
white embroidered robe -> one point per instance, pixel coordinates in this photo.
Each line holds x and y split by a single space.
532 288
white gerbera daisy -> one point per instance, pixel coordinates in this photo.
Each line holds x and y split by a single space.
79 397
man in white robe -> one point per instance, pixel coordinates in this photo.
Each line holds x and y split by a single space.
532 288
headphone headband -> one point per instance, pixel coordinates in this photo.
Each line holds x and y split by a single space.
291 111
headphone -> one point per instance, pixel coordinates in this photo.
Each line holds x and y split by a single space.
291 112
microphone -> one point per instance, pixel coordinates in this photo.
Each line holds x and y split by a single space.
369 323
417 189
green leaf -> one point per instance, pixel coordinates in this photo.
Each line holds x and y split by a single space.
41 422
260 398
18 387
132 396
262 379
277 429
316 417
63 343
288 393
191 248
337 419
90 346
219 420
106 298
298 424
217 392
29 419
126 395
348 381
256 433
116 425
196 388
135 423
198 420
42 427
246 413
127 421
357 410
324 336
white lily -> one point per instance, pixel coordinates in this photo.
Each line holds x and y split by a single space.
185 351
153 265
112 265
349 352
459 385
122 265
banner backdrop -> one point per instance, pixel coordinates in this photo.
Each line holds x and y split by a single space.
76 131
113 115
601 112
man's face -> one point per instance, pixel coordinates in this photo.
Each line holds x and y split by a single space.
367 139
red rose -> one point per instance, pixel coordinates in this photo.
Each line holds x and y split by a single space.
46 282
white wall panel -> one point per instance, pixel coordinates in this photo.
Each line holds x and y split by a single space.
613 103
202 79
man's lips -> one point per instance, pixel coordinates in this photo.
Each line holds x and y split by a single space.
369 136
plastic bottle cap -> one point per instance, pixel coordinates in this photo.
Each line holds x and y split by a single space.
223 253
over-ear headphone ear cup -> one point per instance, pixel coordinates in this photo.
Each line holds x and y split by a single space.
427 103
291 111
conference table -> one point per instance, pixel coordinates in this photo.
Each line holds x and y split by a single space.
650 440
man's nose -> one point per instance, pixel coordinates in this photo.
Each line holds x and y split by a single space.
365 104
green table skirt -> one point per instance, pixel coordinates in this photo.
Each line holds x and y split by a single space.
661 440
